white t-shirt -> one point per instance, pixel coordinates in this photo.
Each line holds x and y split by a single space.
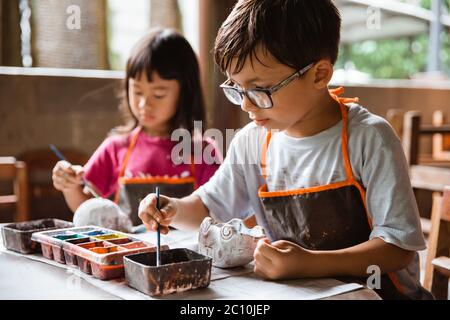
377 160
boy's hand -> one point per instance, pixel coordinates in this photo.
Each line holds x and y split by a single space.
281 260
67 177
150 216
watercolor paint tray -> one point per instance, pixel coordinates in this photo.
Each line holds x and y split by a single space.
17 236
97 251
180 270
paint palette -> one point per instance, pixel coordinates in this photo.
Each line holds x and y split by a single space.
180 270
97 251
17 236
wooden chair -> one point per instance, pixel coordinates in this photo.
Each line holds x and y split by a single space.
437 270
430 175
15 173
441 143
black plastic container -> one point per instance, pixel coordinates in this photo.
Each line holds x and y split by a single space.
180 270
17 236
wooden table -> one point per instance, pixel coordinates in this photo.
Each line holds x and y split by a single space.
22 278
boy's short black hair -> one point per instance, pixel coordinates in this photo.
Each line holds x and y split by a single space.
295 32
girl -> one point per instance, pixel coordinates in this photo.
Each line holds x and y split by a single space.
162 93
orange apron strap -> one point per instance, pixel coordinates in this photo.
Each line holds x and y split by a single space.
134 139
347 163
264 154
344 136
344 143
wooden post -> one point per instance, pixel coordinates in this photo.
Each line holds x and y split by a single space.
10 46
21 190
220 110
165 13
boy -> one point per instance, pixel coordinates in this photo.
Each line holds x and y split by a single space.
327 180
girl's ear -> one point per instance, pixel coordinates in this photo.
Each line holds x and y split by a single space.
323 72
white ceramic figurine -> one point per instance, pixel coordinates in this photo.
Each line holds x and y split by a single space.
229 244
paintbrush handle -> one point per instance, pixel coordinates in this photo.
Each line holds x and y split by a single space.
158 233
90 189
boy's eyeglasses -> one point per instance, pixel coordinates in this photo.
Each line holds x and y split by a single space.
260 97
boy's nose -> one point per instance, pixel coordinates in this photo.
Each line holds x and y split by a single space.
247 105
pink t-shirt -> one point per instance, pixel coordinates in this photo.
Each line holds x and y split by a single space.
151 156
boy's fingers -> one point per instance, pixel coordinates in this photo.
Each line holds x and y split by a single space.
282 244
147 209
260 271
266 249
148 206
168 212
262 260
148 226
153 226
164 230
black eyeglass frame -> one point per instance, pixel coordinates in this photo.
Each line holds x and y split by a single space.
268 91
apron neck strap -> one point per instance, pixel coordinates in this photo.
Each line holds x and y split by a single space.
334 93
344 136
133 141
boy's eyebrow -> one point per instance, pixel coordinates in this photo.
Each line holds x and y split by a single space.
251 80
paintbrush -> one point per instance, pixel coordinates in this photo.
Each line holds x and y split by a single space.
158 233
86 183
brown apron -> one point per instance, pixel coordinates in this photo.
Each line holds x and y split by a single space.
327 217
131 191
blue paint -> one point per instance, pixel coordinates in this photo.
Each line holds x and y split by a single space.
94 233
65 237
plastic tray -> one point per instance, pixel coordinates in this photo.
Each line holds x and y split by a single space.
97 251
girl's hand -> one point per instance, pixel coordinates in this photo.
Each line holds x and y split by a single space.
67 177
151 216
281 260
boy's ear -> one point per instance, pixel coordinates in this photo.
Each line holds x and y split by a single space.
323 72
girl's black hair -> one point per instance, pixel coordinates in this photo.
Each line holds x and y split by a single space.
169 54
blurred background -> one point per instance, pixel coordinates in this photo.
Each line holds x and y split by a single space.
60 78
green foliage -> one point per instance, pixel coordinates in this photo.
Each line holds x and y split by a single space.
395 58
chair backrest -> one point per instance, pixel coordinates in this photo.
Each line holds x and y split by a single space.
441 142
413 129
7 168
15 172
